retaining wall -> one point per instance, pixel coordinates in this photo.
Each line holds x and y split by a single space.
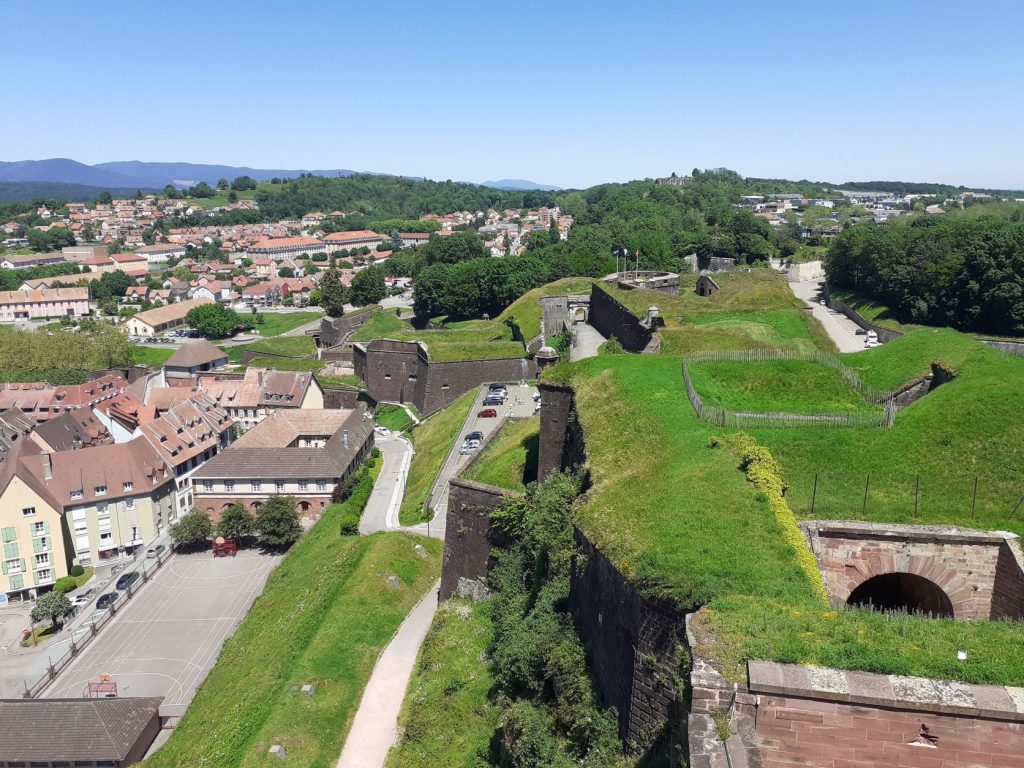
610 318
469 536
635 646
334 330
817 717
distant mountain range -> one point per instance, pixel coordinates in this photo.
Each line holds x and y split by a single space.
517 184
135 174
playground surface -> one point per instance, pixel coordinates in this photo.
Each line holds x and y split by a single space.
164 641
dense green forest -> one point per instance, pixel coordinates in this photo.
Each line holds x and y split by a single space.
958 271
663 223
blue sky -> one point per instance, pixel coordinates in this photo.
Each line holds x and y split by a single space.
568 93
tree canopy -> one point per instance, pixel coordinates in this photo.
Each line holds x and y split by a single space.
965 273
333 295
368 286
53 606
193 529
214 321
278 523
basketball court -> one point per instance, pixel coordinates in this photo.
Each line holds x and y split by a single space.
164 641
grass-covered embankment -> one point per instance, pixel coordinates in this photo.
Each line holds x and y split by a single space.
431 440
394 417
510 459
680 519
448 719
326 613
777 386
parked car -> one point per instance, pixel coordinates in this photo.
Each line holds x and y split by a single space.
476 435
127 579
107 600
469 446
494 400
82 598
154 552
495 386
487 413
536 397
382 431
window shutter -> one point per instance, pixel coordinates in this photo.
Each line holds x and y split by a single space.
46 526
37 545
10 534
11 549
4 565
22 561
16 581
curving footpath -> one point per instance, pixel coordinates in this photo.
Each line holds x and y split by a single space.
375 727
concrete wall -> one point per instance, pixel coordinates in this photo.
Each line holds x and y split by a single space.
1010 347
342 398
468 535
809 270
634 645
610 318
962 562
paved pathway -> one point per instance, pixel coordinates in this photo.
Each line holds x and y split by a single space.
586 342
375 727
841 329
381 513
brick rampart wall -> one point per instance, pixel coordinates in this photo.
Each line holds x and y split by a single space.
334 330
962 562
441 383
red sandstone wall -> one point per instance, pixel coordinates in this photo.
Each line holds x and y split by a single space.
809 733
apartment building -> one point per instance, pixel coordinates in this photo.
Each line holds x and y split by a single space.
250 398
297 453
359 238
45 302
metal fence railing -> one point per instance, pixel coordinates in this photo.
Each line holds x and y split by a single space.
83 635
723 417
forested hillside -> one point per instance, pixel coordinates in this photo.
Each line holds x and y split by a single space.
663 223
958 271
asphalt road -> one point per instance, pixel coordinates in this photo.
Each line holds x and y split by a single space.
841 329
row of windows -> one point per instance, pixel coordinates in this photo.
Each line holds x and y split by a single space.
256 486
101 490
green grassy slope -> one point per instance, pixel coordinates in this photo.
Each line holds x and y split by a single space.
510 459
323 618
432 440
447 720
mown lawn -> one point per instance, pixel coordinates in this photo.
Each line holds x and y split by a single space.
432 440
462 340
290 346
393 417
381 325
510 459
276 323
447 719
776 386
288 363
342 380
324 616
154 357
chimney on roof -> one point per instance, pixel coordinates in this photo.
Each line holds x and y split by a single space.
47 465
344 439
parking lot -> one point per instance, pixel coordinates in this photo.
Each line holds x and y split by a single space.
164 641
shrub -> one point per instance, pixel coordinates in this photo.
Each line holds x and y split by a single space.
65 584
358 494
77 570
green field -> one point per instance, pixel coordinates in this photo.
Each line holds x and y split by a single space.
447 719
289 346
432 440
154 357
276 323
463 340
674 520
220 199
871 310
345 380
510 459
288 363
753 310
777 386
393 417
324 616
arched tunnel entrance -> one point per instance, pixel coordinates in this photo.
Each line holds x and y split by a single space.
902 592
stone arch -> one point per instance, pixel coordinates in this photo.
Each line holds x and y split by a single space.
902 592
225 507
255 506
304 506
579 314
